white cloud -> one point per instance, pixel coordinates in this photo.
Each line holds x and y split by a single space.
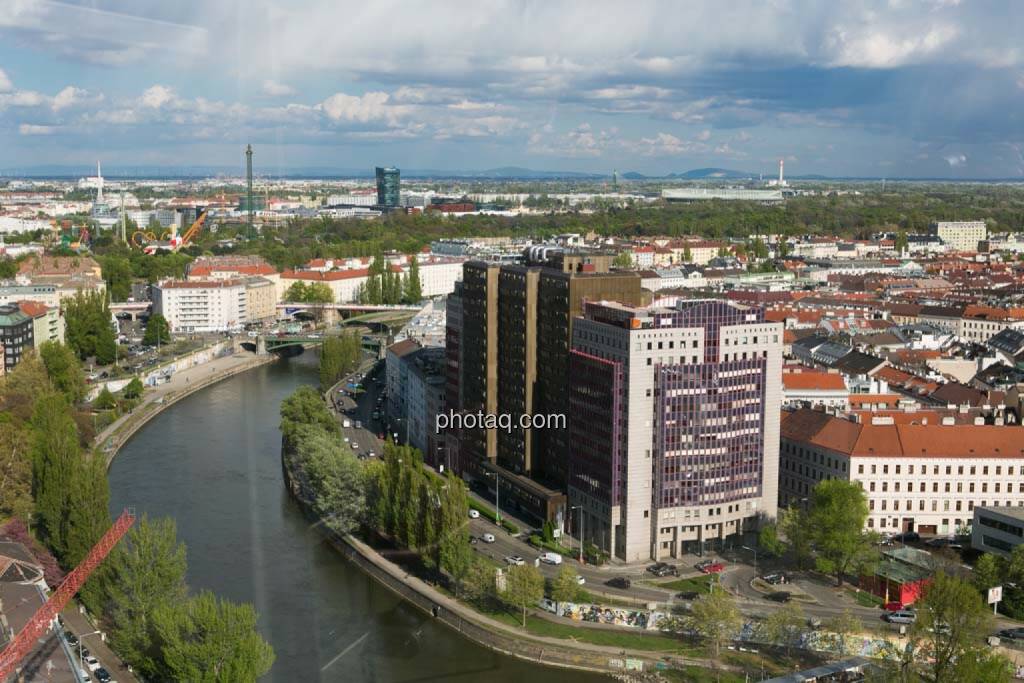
5 82
157 96
371 106
33 129
276 89
68 97
955 160
704 135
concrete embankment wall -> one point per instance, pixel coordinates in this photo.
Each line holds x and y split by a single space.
146 412
455 615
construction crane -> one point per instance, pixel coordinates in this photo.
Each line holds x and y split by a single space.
28 638
151 245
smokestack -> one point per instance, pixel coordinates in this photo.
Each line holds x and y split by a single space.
781 162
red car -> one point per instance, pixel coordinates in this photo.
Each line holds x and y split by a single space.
892 606
713 568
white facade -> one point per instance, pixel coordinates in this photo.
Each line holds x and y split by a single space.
640 528
961 235
205 306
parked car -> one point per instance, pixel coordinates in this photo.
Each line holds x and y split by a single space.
515 560
91 662
1012 633
776 579
619 582
71 638
780 596
894 606
713 568
551 558
103 676
688 595
903 616
907 537
474 514
580 580
473 540
663 569
944 542
487 538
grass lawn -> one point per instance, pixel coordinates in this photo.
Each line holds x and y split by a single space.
697 674
701 584
864 599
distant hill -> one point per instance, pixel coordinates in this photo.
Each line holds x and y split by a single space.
633 175
711 173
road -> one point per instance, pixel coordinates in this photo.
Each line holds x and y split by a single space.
828 601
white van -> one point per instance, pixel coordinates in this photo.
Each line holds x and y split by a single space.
901 617
551 558
487 538
346 424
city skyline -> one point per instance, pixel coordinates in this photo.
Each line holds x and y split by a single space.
930 89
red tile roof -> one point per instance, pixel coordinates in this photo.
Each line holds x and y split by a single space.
820 381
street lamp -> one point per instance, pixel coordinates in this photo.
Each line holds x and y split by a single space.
81 646
753 550
580 508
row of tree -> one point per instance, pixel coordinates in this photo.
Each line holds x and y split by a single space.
53 479
311 293
339 356
90 327
386 286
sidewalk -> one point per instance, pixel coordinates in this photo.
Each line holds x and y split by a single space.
76 622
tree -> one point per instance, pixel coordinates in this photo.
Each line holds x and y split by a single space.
623 260
146 572
105 400
319 293
296 292
117 271
901 243
836 519
950 618
793 526
840 628
15 471
715 618
55 457
336 478
209 640
157 331
87 519
454 552
480 582
413 287
564 587
785 626
986 573
64 370
524 588
89 326
687 254
133 389
769 541
106 344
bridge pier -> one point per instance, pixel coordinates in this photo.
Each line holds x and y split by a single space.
261 345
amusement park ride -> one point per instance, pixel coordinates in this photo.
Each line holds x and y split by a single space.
170 240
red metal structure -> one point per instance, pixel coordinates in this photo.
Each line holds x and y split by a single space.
40 622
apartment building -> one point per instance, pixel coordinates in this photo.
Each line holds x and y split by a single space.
47 322
997 529
202 305
508 353
260 300
16 334
960 235
674 427
924 475
416 394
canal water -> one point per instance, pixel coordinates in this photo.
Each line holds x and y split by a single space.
212 462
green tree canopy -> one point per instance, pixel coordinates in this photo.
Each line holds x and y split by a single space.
715 618
836 519
133 389
64 370
209 640
524 587
564 587
157 331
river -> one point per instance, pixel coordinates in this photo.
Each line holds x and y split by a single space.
212 462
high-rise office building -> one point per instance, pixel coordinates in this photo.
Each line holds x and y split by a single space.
388 187
513 344
674 434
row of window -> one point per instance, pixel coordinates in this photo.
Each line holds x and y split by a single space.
960 469
948 486
947 505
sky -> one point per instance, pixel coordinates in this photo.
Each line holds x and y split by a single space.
932 88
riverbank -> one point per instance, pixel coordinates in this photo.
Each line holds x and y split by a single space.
181 385
480 628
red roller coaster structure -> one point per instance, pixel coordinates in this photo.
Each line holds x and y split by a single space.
27 638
